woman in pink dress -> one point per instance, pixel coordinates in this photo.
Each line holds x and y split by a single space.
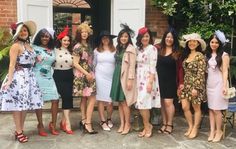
218 65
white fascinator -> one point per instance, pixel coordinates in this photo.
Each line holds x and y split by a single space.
221 36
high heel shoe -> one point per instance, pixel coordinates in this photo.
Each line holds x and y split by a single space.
125 132
166 131
63 127
211 136
21 137
149 134
41 132
193 133
81 124
52 129
218 137
104 126
87 131
109 123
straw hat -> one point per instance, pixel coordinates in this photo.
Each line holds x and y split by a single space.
194 36
85 26
30 24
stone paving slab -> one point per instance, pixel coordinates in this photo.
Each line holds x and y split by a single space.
107 140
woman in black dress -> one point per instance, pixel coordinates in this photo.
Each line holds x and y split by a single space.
170 75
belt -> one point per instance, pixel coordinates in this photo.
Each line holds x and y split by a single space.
25 65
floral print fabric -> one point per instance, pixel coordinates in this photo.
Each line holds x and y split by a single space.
24 92
82 87
146 65
194 78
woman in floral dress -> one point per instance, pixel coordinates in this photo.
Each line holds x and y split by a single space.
147 80
194 90
84 81
44 47
20 91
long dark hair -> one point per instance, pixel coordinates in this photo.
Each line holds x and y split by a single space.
110 45
58 43
120 46
175 46
187 51
40 34
219 51
139 38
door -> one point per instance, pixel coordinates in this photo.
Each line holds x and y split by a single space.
131 12
39 11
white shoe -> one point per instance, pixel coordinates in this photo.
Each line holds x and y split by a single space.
104 126
109 123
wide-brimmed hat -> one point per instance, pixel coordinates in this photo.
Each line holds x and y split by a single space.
194 36
31 26
105 33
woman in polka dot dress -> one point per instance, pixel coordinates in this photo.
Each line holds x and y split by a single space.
63 76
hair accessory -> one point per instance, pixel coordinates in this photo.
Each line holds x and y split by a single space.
127 29
13 26
63 33
86 27
221 36
142 31
51 31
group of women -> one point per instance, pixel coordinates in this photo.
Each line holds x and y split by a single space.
146 76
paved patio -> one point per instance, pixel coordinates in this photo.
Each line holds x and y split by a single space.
108 140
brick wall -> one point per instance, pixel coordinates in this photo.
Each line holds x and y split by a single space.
155 19
8 12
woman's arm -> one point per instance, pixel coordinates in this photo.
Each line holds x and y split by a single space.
225 71
152 66
14 51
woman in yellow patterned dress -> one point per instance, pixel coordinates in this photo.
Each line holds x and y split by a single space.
194 89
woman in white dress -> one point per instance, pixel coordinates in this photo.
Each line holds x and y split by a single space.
104 62
147 80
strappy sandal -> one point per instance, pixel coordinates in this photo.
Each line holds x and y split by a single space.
104 126
168 131
109 123
160 130
21 137
87 131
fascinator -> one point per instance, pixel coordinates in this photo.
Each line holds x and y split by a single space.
127 29
64 33
142 30
221 36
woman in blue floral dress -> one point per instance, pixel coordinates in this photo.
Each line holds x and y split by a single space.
20 91
44 44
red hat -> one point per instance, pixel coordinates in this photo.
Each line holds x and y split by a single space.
64 33
142 30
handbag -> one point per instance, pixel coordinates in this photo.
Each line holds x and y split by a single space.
231 90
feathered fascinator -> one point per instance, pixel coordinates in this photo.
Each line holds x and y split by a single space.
85 26
221 36
127 29
64 33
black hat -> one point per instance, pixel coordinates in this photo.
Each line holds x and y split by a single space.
105 33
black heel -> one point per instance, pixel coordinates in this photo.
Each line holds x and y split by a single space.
87 131
81 124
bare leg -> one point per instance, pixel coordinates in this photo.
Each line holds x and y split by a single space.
164 117
197 120
23 115
109 110
101 110
122 118
89 112
126 110
170 111
188 115
17 119
66 114
212 125
219 132
39 114
145 113
83 109
54 110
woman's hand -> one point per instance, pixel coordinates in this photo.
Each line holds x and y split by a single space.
39 58
224 91
129 84
89 77
149 87
6 85
194 93
179 90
